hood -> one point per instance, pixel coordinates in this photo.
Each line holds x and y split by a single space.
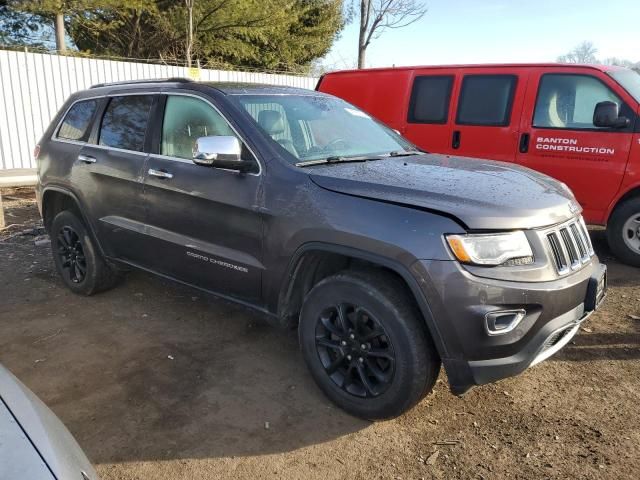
482 194
46 433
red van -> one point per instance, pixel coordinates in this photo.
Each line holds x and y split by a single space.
577 123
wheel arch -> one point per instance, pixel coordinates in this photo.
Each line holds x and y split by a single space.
631 192
316 260
56 199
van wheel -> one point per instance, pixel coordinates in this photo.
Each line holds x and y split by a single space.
623 232
366 344
77 260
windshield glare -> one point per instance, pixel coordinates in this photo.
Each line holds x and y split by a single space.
630 81
314 127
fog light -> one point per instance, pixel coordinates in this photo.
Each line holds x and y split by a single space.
500 322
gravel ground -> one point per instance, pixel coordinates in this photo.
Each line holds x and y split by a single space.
156 380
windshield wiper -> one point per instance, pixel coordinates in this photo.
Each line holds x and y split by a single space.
338 159
406 153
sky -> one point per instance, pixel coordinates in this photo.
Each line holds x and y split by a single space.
493 31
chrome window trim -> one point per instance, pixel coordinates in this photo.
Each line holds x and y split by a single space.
116 149
235 131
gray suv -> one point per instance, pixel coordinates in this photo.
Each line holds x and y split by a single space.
389 261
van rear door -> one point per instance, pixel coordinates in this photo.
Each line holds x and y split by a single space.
560 139
487 113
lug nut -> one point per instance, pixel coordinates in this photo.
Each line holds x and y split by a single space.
352 336
348 357
361 360
363 346
343 343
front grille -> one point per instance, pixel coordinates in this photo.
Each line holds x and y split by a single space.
570 245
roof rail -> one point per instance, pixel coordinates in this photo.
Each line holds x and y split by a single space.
148 80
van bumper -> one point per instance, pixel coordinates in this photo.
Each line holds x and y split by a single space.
553 313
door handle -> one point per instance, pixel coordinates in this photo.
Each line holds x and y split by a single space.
455 141
160 173
86 158
524 143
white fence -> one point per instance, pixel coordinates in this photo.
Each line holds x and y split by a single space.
34 86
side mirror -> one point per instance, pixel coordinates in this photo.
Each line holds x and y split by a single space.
606 115
220 152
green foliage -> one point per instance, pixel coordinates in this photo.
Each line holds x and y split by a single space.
21 28
268 34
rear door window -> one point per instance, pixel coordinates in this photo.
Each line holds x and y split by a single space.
75 125
124 123
486 100
430 99
568 101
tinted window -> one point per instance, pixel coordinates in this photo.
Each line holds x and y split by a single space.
568 101
185 120
76 123
125 122
486 100
430 99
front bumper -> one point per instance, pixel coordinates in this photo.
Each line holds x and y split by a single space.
460 301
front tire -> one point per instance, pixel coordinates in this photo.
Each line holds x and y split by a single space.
366 344
623 232
78 262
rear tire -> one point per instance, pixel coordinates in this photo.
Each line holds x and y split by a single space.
623 232
366 345
78 262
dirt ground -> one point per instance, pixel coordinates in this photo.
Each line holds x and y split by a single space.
159 381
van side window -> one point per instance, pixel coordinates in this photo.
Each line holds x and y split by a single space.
75 125
124 123
185 120
568 101
430 99
486 100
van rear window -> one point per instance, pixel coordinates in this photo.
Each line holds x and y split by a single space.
486 100
430 99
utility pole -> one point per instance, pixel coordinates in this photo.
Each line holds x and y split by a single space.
189 4
61 45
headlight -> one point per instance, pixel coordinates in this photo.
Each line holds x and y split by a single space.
492 249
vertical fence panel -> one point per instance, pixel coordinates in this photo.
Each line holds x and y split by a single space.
34 87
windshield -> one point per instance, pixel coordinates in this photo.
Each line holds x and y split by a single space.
314 127
630 81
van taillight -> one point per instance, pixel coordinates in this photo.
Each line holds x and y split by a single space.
36 152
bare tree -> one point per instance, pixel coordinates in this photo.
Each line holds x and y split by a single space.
583 53
377 16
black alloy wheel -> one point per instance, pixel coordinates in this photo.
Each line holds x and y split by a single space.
355 350
366 345
78 262
71 252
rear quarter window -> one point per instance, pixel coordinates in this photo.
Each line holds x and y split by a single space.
75 125
486 100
